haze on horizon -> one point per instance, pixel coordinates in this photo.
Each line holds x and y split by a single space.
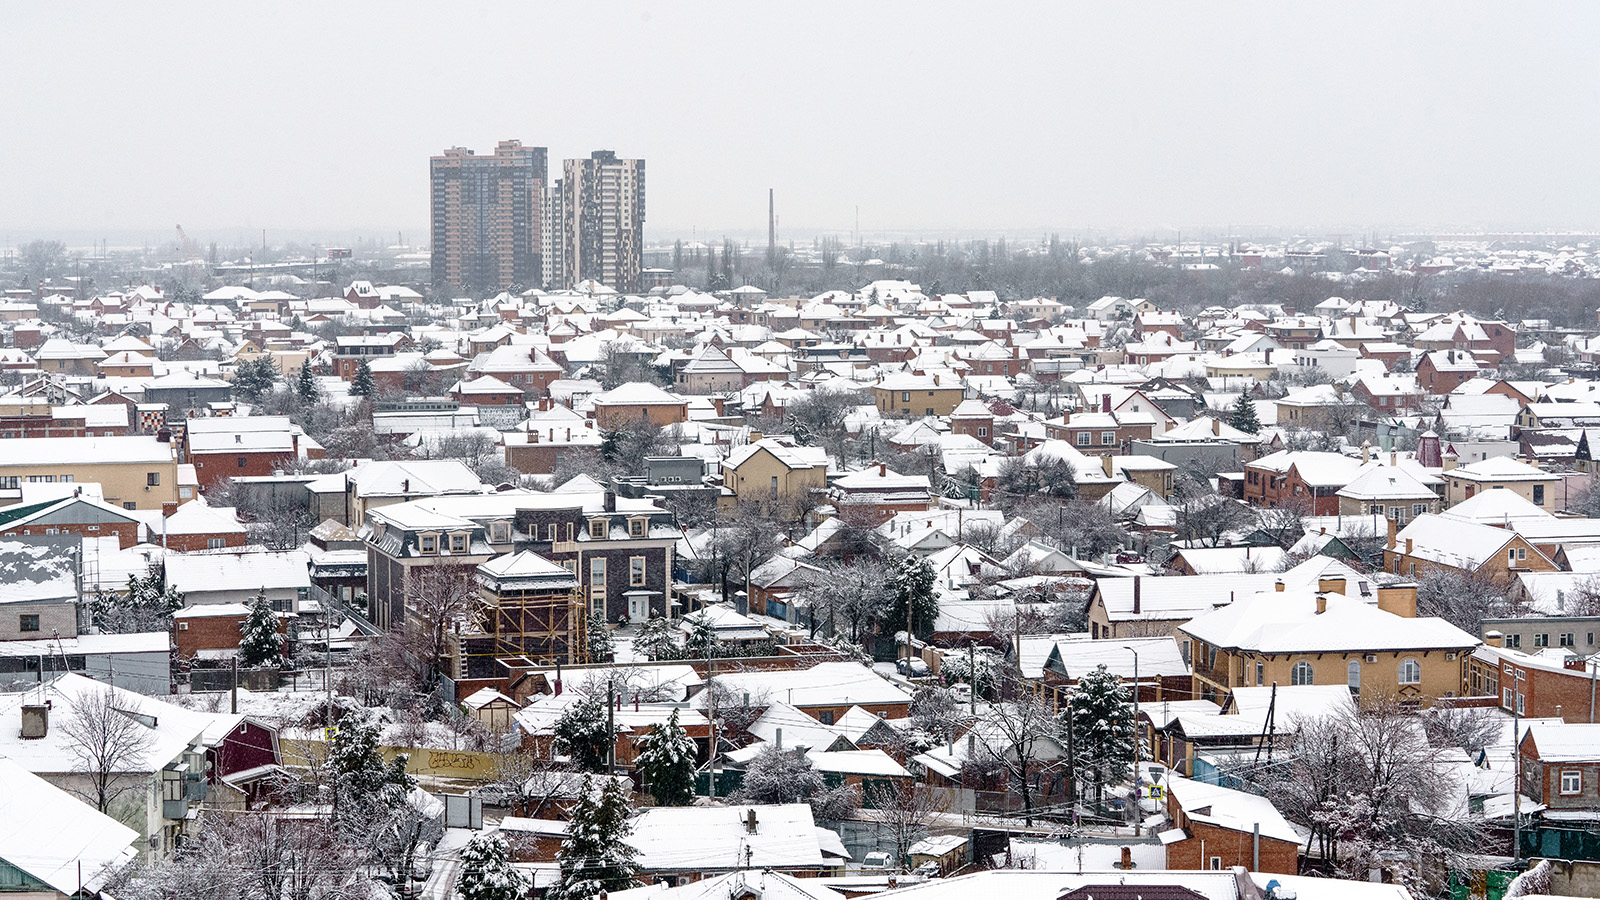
928 117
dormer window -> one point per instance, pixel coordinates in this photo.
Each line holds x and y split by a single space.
428 543
599 529
500 532
636 528
458 543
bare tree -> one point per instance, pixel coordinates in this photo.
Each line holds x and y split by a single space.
108 746
1020 735
903 812
1462 598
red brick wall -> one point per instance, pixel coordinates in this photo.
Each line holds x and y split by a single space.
127 533
209 633
1235 848
211 468
187 543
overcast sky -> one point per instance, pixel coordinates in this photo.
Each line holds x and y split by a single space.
964 117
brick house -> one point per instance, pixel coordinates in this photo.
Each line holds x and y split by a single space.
1442 371
212 631
232 446
199 526
638 401
1561 767
80 515
1533 685
1216 828
876 494
1303 476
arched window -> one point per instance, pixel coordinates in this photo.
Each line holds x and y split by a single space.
1353 676
1300 674
1410 671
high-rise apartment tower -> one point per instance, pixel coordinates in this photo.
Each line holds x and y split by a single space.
597 220
486 218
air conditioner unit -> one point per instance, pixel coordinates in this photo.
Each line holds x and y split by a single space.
1372 657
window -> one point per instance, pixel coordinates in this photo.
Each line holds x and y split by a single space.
1566 639
216 543
28 622
597 529
1215 863
1538 495
458 543
774 487
636 571
550 533
1410 672
597 573
1261 673
1375 509
1511 556
905 396
825 716
928 411
982 431
243 462
1541 640
1107 438
1514 641
129 504
1505 698
1083 439
1352 675
500 532
1571 781
1520 702
152 479
428 543
1418 509
1301 673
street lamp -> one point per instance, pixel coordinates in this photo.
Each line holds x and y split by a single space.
1137 743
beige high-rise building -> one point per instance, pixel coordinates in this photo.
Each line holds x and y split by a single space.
486 218
597 222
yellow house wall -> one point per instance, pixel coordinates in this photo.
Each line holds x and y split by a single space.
753 479
1441 676
119 482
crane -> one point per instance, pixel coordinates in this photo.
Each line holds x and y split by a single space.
186 245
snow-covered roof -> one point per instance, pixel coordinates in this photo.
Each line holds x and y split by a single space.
57 838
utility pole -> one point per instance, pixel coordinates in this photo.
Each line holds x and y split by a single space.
1516 785
972 676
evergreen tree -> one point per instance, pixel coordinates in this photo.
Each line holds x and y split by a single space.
259 641
657 639
307 386
253 378
666 763
487 872
583 735
1104 738
1244 415
912 581
147 605
702 641
362 385
595 855
357 771
598 638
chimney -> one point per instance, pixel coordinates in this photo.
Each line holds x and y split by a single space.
1366 451
1136 593
35 721
1105 403
1391 526
1127 859
935 380
405 486
1105 463
1399 599
1394 458
1332 584
611 501
883 470
777 740
1494 638
1409 542
1278 585
1322 603
1216 426
750 821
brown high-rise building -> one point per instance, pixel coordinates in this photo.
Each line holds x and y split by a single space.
598 223
485 215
